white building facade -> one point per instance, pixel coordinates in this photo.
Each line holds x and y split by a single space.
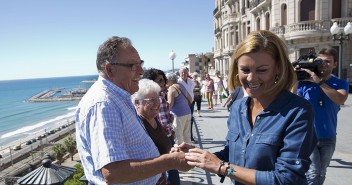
304 25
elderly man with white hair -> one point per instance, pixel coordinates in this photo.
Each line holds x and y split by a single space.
186 81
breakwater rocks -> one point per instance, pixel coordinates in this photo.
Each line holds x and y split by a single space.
57 95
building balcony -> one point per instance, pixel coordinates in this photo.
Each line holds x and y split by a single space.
256 4
229 2
228 50
278 30
217 31
230 18
306 29
216 10
341 22
217 53
302 29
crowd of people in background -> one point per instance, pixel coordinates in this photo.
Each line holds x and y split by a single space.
134 125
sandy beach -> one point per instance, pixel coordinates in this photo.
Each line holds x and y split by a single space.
6 148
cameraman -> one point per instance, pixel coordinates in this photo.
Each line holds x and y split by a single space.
326 93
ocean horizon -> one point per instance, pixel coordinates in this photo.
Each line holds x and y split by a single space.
20 119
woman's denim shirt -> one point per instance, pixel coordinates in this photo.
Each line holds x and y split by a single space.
279 144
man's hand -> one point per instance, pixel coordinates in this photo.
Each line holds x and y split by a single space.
180 161
313 77
183 147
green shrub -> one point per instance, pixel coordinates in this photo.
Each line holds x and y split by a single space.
75 178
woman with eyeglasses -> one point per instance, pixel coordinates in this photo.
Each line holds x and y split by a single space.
165 117
147 103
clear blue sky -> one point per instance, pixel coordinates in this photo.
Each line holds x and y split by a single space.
44 38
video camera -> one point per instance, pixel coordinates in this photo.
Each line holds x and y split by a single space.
308 61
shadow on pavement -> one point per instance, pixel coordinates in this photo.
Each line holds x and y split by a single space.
342 162
212 117
196 176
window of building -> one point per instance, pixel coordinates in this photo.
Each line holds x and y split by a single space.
305 51
226 38
236 37
283 14
258 24
267 21
307 8
336 9
232 41
244 30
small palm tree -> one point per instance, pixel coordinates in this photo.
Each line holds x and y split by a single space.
59 152
75 180
70 145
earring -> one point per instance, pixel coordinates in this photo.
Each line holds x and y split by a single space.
276 79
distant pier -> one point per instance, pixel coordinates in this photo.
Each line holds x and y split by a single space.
50 95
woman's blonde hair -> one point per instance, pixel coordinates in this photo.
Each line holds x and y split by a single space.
268 42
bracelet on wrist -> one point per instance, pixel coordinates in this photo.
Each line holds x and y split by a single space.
219 170
231 171
228 165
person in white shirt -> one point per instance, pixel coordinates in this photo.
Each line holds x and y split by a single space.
218 87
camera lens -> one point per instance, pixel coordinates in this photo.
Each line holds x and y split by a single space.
302 75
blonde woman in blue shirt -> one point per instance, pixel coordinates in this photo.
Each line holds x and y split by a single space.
271 133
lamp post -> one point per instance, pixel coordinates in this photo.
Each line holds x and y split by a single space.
336 30
172 56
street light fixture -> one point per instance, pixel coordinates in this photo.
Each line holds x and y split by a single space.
336 30
172 56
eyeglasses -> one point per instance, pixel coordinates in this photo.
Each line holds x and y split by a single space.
152 100
132 66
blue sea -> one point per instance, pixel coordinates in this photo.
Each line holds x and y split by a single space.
20 119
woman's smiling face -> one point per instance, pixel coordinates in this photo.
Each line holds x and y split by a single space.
257 72
150 105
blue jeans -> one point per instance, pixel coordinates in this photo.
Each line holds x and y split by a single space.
320 158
